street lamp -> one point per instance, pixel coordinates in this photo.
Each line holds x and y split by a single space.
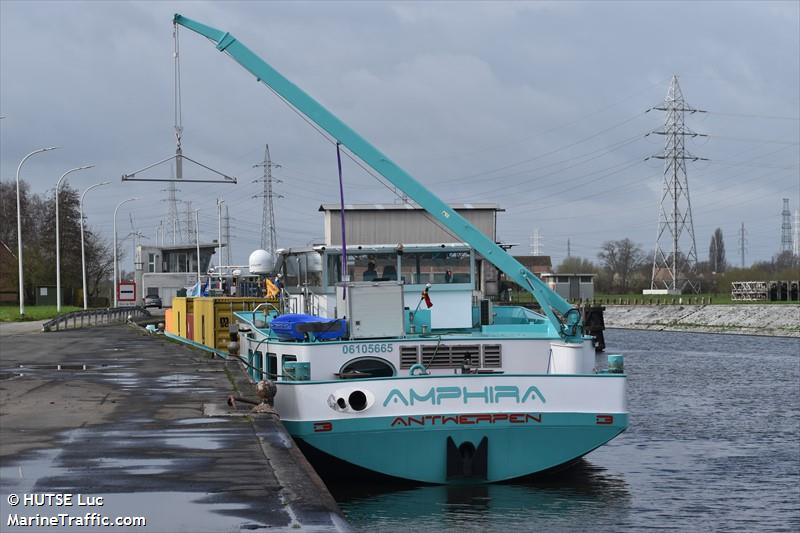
83 247
19 231
58 236
219 231
116 275
197 242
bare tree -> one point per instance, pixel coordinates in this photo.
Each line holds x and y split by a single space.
621 259
38 229
99 263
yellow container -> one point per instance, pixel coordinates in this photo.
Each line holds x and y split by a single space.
182 308
214 316
169 321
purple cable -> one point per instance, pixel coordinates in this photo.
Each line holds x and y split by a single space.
344 242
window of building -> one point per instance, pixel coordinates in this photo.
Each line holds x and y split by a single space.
178 262
152 291
151 262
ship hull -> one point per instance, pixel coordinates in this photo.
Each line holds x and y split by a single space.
462 429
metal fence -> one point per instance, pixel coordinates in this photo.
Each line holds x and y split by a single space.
95 317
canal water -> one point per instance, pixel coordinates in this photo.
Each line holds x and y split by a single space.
713 444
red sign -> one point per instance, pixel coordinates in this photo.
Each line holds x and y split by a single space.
126 291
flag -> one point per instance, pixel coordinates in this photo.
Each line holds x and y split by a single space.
194 290
272 289
427 297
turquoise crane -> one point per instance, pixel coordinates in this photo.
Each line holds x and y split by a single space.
570 329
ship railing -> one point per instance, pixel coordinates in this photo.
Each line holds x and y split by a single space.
95 317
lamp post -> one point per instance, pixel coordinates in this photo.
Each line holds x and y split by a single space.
116 268
58 236
19 231
83 246
219 231
197 242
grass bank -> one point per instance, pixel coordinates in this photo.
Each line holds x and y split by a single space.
10 313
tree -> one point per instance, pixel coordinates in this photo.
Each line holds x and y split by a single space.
786 261
99 263
716 252
38 232
621 259
576 265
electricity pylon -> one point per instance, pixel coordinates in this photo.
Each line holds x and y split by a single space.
269 236
675 257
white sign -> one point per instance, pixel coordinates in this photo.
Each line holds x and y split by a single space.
127 291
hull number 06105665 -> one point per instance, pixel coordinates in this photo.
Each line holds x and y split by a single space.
372 347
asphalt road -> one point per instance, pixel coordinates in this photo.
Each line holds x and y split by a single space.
142 422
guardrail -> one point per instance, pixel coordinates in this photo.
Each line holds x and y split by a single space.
95 317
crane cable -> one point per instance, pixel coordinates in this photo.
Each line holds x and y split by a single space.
177 86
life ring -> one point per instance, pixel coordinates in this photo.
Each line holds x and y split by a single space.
418 367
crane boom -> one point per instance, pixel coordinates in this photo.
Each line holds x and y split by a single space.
570 330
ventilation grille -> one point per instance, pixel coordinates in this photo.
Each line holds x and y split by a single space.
492 357
452 356
458 353
436 358
409 356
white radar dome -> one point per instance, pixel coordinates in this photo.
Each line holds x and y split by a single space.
261 262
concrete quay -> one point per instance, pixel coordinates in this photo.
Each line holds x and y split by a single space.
142 422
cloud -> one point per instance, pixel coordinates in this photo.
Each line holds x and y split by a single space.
525 104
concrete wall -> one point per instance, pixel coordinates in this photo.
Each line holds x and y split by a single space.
748 319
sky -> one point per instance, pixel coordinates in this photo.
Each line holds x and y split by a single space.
539 107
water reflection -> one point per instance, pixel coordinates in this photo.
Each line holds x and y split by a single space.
712 445
567 497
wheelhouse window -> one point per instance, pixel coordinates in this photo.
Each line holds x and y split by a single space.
435 267
363 267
